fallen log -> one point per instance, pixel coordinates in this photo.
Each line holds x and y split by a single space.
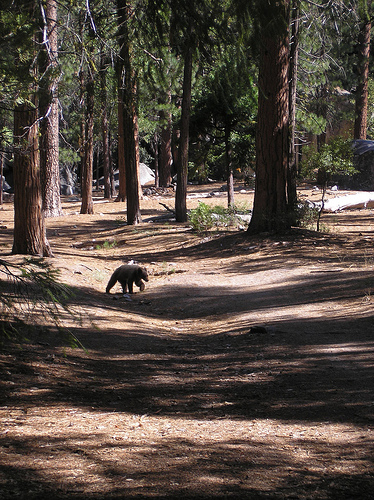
350 202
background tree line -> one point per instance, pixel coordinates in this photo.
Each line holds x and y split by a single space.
195 89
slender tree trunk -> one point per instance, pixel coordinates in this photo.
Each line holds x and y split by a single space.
165 156
322 108
105 128
29 228
48 106
106 157
131 156
111 171
182 160
2 156
121 135
292 164
165 148
270 202
362 87
137 149
175 140
229 170
87 172
82 139
156 152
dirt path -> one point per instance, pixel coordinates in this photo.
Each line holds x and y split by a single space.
244 370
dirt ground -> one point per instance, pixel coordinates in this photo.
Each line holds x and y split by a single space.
244 370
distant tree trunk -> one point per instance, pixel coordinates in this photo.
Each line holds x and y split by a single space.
48 106
182 160
131 157
292 163
322 92
105 129
363 79
156 152
137 149
130 125
2 156
29 229
229 170
270 201
121 136
87 171
165 150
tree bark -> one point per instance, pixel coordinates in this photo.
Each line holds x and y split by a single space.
121 135
165 148
229 170
131 158
360 126
105 129
156 163
29 228
130 125
48 106
87 171
292 163
137 148
182 160
270 201
2 156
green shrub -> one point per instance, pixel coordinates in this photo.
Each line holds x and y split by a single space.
107 245
203 218
306 214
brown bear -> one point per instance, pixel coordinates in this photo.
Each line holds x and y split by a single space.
127 275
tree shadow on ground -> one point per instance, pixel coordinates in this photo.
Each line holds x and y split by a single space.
306 370
284 372
264 251
227 296
240 468
207 379
296 370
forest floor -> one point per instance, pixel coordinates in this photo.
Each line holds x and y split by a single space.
244 370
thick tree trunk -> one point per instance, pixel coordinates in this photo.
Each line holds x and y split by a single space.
360 126
129 119
87 171
48 106
182 160
29 229
270 202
